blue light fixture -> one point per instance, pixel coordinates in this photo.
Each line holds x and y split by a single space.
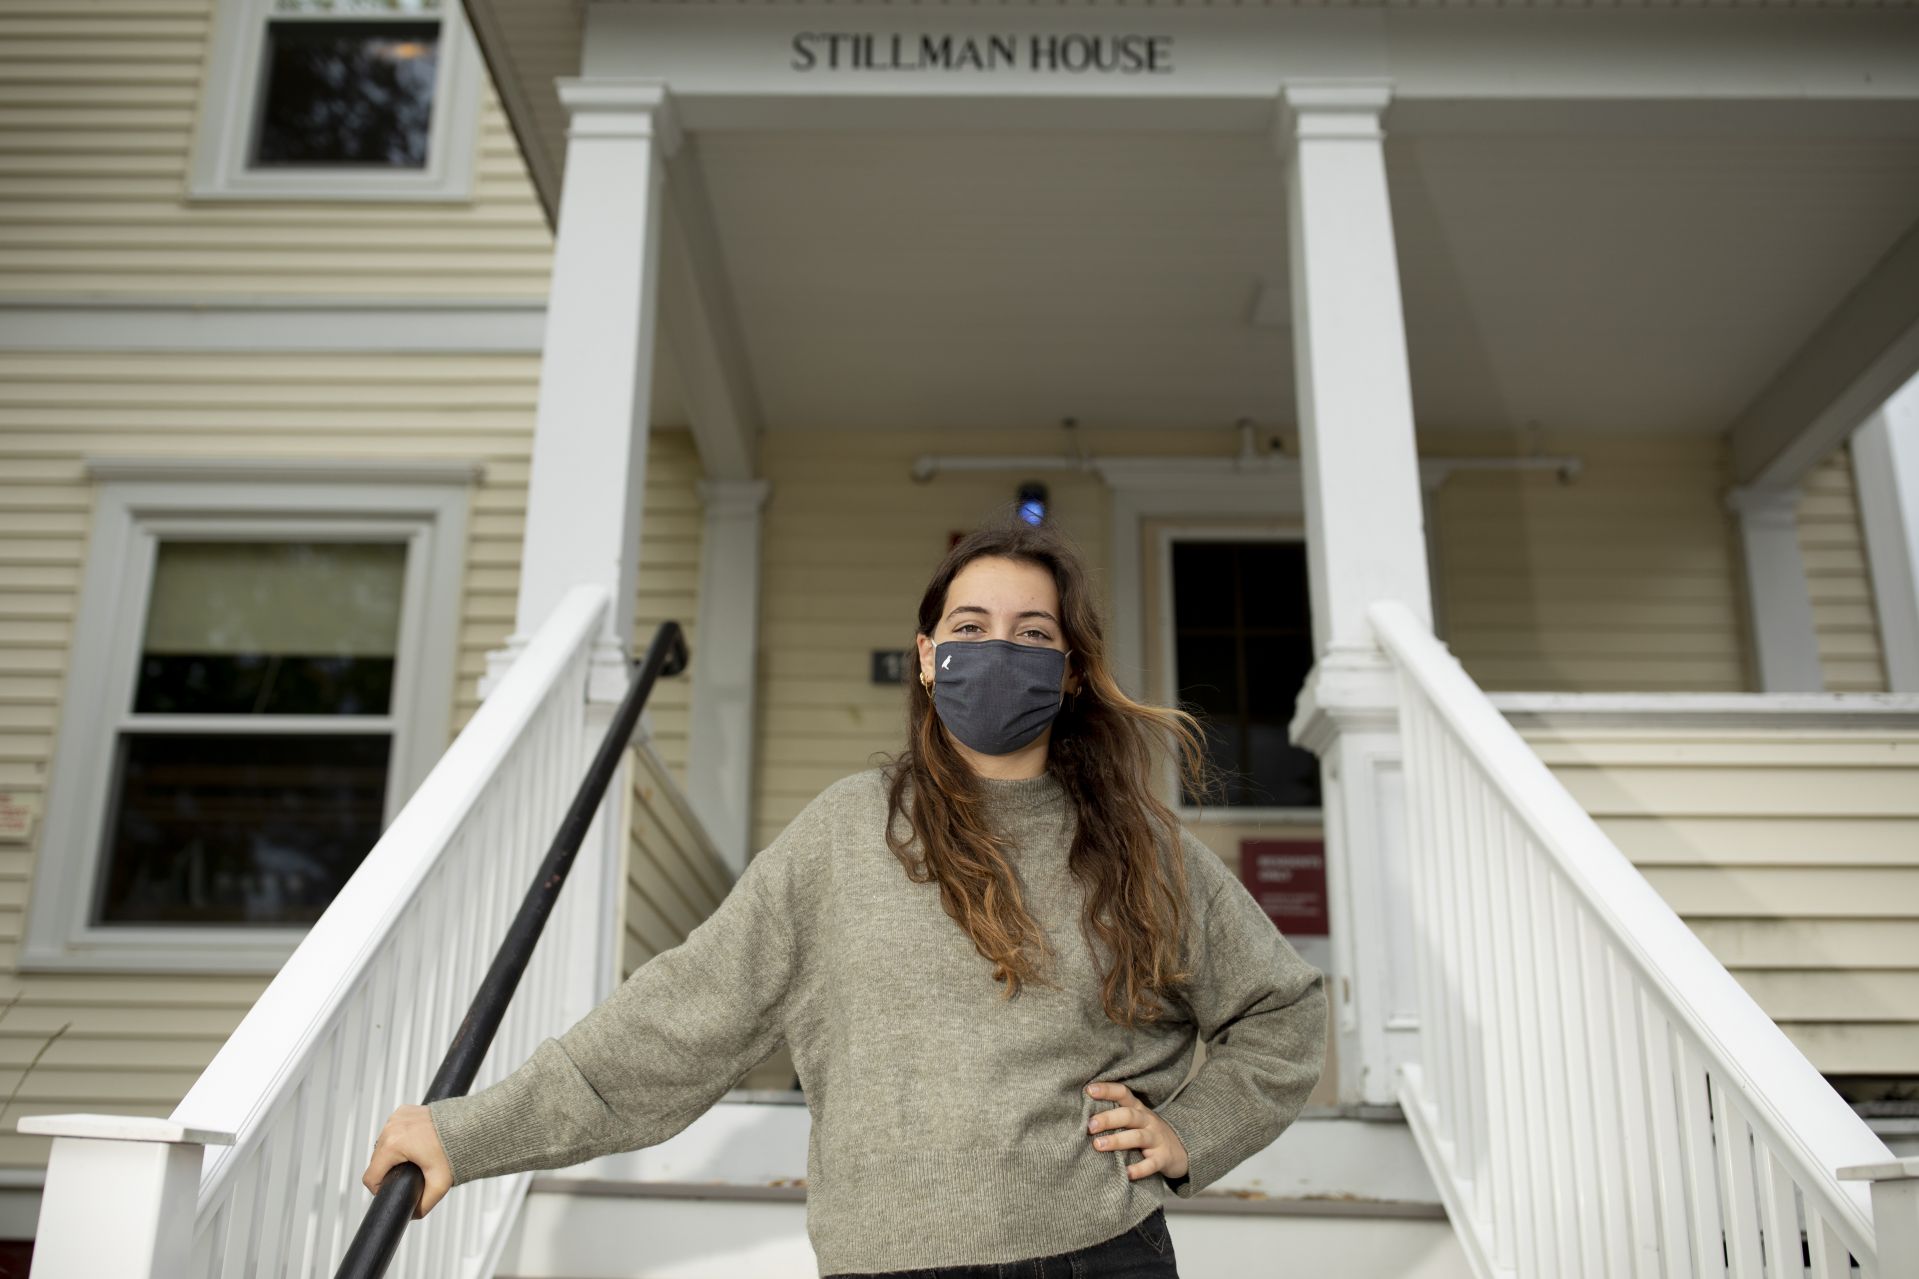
1032 502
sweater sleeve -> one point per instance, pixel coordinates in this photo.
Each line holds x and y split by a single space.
660 1050
1261 1010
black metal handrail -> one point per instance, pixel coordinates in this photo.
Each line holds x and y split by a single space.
381 1230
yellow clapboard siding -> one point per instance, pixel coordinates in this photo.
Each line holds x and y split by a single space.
1819 840
1624 579
1794 854
1794 890
1849 995
1745 792
1857 1048
93 102
1811 944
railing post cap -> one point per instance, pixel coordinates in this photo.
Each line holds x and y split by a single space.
121 1128
1906 1169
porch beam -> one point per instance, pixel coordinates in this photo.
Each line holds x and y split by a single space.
1863 352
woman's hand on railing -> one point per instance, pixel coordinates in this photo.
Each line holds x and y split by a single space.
409 1137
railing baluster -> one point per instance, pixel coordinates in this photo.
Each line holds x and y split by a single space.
1738 1203
1570 1030
1477 924
1779 1218
1611 1252
1692 1084
1505 1135
1556 1117
1668 1139
1453 1112
1632 1121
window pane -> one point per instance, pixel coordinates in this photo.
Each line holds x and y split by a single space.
1222 749
272 628
1244 606
238 829
1208 673
1284 775
1203 583
1273 575
347 93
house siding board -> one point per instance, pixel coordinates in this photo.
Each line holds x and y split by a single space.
1793 855
97 110
1623 579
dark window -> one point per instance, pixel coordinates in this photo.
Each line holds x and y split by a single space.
346 93
1243 645
250 774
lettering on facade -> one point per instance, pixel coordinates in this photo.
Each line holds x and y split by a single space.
1131 54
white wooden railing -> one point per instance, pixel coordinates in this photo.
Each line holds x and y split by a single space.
1595 1093
257 1172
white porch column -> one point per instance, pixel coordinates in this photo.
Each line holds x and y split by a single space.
719 771
589 441
1778 601
1885 462
1365 542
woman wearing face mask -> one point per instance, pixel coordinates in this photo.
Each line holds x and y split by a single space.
989 957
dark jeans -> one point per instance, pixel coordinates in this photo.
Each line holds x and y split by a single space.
1144 1251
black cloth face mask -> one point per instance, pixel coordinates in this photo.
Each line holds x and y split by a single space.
996 695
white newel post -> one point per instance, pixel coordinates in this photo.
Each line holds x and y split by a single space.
1365 532
1895 1212
121 1195
588 473
719 773
1785 640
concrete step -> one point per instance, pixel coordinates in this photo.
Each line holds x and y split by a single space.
1338 1193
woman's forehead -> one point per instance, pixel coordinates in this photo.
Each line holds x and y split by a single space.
1001 585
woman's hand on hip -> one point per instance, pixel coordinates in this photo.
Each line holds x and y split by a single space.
410 1137
1132 1123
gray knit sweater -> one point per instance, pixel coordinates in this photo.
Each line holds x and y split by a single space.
948 1123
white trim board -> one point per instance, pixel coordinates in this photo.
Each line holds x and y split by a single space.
388 326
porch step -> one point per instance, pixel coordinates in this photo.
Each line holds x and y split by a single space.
726 1200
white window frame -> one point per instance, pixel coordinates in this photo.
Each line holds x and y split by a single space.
139 501
229 105
1264 531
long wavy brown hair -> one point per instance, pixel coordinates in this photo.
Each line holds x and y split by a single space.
1104 750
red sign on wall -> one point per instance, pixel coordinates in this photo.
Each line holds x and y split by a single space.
1288 878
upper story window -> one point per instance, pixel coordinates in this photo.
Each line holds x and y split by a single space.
262 673
1242 635
339 99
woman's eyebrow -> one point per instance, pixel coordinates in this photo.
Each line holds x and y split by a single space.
974 608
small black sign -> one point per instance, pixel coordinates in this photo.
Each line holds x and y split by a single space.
889 665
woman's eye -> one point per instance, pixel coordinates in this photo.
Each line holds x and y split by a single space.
1040 635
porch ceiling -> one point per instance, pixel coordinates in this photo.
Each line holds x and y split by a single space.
1641 276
